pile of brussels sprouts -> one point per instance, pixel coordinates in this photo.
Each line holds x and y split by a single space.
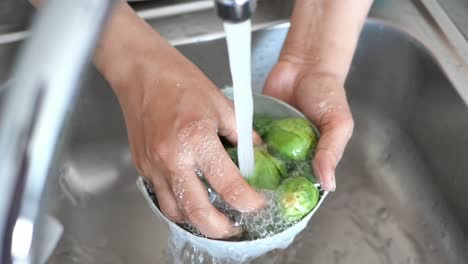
282 164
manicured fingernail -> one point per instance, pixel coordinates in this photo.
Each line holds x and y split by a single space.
333 183
328 186
328 183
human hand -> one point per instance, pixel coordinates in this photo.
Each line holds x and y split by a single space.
322 99
312 69
174 116
174 122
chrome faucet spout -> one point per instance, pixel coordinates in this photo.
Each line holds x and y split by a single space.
235 10
44 81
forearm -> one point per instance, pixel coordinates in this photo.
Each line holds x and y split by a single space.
324 33
131 53
118 52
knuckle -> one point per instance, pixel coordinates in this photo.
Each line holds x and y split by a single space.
194 130
141 165
227 125
339 121
226 130
160 152
233 189
332 153
348 121
173 215
346 124
197 214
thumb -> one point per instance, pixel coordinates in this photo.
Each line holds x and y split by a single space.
336 133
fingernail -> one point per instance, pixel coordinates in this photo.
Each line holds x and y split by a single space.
328 183
328 186
317 172
333 183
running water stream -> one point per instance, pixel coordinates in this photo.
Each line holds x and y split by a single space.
238 37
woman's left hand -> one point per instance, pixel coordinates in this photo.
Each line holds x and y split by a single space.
322 99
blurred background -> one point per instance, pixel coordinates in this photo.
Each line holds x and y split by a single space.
15 14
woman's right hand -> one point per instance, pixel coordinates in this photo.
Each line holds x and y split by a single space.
174 122
174 117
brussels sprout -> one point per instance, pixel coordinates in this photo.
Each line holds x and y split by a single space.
300 168
293 138
267 172
279 164
262 124
297 197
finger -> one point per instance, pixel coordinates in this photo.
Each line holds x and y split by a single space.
192 198
166 200
322 98
280 81
227 127
225 178
257 140
335 134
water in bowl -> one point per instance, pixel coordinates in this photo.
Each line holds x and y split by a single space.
256 225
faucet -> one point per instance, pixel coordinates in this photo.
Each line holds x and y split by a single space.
44 82
235 10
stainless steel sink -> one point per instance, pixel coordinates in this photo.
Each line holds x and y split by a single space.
401 193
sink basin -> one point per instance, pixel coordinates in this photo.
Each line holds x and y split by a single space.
401 195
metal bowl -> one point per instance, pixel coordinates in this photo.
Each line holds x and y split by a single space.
239 250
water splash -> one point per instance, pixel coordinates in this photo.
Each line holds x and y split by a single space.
256 225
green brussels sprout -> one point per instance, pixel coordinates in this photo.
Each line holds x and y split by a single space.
292 138
267 172
297 197
262 124
300 168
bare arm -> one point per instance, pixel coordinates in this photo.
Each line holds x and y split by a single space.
312 69
324 33
174 117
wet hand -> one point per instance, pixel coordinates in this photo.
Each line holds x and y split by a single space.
322 98
174 116
174 121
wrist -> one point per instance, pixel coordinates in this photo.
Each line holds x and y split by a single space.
299 68
323 36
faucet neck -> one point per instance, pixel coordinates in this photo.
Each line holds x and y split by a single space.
235 10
